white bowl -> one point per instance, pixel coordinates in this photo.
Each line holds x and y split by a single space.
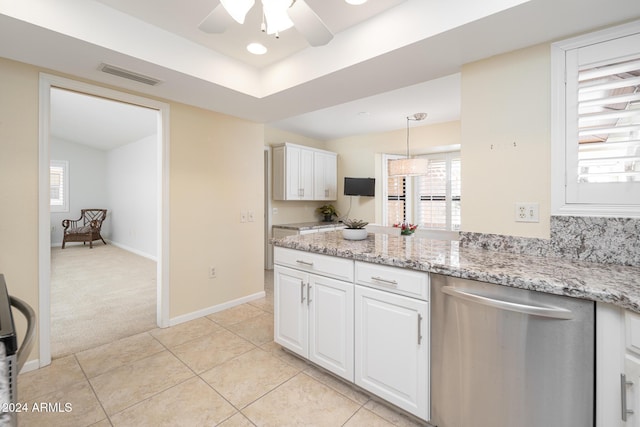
354 233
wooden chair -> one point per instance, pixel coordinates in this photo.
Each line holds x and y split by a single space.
84 229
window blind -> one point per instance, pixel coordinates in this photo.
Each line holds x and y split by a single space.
56 180
609 122
396 199
439 193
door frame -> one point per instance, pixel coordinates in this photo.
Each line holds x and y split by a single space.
46 82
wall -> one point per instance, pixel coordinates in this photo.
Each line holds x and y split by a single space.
216 169
132 183
360 156
292 211
506 100
87 187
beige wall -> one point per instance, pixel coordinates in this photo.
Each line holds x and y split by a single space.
506 101
216 170
360 156
19 193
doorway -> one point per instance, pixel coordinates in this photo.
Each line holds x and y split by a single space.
161 111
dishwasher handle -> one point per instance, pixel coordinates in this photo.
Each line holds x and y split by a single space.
535 310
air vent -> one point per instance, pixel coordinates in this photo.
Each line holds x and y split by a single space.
121 72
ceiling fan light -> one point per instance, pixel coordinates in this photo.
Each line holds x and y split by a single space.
356 2
275 13
238 9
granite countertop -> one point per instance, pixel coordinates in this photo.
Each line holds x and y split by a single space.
307 225
616 284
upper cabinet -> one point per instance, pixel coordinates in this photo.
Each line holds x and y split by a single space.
304 173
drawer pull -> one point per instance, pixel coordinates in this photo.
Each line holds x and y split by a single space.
299 261
385 281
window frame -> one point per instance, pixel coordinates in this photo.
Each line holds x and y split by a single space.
411 189
559 143
64 164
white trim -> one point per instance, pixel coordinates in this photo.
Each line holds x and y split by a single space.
214 309
31 365
559 205
132 250
47 81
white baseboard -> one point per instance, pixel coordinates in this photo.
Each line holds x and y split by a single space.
214 309
30 365
133 250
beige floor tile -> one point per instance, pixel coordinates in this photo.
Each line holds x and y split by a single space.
364 417
277 350
191 403
301 401
247 377
238 420
338 385
75 405
264 304
235 314
258 330
211 350
129 384
103 423
392 415
60 374
184 332
110 356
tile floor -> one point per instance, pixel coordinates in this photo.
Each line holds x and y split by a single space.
223 369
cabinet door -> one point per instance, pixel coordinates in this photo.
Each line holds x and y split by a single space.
331 325
290 308
391 348
325 175
632 390
293 167
306 174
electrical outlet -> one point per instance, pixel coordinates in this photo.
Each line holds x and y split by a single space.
527 212
212 272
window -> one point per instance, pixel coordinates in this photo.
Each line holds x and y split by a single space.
596 123
432 200
59 185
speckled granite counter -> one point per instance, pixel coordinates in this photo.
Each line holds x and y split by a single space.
301 226
616 284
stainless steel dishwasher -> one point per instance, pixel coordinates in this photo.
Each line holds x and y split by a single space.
507 357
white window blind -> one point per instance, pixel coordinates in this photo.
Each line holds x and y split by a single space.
438 205
59 185
596 123
396 199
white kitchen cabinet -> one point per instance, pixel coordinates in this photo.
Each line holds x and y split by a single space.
325 175
314 316
303 173
391 348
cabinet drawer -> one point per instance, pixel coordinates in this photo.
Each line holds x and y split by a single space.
325 265
397 280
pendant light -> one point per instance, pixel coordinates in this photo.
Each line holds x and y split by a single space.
409 166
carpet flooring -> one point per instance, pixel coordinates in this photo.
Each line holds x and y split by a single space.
98 296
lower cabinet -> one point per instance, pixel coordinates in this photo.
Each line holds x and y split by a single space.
391 348
314 318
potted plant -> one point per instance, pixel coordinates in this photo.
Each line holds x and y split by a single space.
406 229
328 212
355 229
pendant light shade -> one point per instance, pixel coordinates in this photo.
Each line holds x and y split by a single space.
238 9
409 166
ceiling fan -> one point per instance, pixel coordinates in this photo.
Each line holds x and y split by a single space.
278 15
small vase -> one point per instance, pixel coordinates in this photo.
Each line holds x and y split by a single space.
354 233
328 218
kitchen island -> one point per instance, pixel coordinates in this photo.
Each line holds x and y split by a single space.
609 283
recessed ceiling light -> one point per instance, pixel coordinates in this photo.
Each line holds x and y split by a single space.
256 48
356 2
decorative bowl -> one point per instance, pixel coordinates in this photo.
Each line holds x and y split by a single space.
354 233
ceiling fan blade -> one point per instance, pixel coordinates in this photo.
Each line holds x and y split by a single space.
217 21
309 24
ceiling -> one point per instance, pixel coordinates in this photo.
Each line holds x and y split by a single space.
388 58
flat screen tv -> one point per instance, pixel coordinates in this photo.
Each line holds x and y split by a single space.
359 187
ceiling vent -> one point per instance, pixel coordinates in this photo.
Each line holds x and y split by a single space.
121 72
